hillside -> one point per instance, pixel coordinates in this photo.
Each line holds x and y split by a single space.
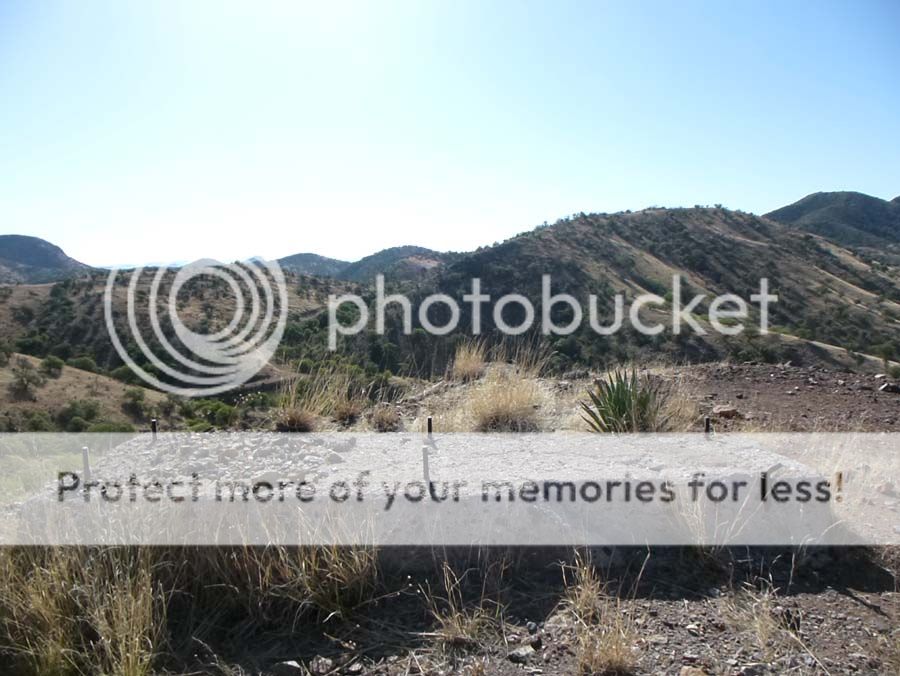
313 264
848 218
400 262
827 293
30 260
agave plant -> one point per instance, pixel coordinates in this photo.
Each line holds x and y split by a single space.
625 402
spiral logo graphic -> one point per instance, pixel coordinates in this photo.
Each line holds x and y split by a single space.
199 364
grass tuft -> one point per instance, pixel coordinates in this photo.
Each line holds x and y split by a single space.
626 402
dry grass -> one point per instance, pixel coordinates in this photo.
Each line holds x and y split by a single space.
385 418
71 610
327 392
605 633
469 361
505 402
460 628
773 628
528 357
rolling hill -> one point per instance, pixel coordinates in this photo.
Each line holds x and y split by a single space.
848 218
30 260
400 262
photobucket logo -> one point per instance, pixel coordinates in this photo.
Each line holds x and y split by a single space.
203 364
727 313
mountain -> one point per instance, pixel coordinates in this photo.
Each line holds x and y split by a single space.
407 262
400 262
30 260
848 218
313 264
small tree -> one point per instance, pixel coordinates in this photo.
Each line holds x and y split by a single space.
25 379
52 366
134 402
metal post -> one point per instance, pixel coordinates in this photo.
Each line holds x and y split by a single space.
707 423
154 427
86 464
425 473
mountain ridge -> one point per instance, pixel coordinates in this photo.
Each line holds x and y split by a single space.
32 260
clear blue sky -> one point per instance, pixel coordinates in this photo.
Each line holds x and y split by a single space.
154 131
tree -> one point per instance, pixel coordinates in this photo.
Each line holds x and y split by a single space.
52 366
25 379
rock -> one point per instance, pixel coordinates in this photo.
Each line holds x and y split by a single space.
355 668
531 627
692 671
521 655
726 411
289 668
536 642
693 629
891 388
658 639
887 488
880 376
319 665
333 458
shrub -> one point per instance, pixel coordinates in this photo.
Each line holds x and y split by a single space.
625 402
85 410
83 364
894 372
39 421
52 366
25 379
295 420
5 353
504 403
77 424
110 427
134 402
385 418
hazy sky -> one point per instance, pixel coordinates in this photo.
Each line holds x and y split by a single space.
156 131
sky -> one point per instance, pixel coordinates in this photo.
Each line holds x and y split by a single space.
137 132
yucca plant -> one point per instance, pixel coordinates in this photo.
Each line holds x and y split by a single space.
625 402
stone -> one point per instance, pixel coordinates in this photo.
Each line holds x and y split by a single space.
319 665
288 668
531 627
333 458
521 655
692 671
890 388
726 411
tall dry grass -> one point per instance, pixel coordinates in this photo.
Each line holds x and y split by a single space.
328 392
121 611
469 361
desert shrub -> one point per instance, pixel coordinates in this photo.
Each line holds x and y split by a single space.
52 366
385 418
5 353
625 402
110 427
894 372
25 379
39 421
468 361
125 374
506 403
134 402
83 364
215 412
291 419
82 410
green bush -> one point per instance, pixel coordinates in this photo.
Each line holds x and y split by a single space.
134 402
39 421
83 364
52 366
625 402
86 410
25 379
110 427
77 424
5 353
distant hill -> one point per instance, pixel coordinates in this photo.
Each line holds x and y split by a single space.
313 264
848 218
400 262
30 260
